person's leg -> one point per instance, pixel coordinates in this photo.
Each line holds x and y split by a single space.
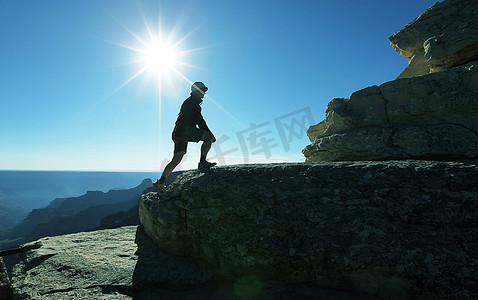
178 156
179 151
207 138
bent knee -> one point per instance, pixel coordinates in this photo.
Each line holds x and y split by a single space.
206 136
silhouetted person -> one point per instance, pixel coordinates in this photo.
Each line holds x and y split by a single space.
186 130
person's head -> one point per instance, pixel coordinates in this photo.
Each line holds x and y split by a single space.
199 89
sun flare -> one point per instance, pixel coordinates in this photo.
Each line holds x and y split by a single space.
156 56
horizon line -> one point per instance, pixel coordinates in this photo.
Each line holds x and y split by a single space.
76 170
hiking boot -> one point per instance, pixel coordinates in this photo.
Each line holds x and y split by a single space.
159 186
206 164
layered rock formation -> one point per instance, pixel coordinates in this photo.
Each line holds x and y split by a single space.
444 36
392 230
433 116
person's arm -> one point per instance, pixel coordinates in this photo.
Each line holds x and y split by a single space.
202 123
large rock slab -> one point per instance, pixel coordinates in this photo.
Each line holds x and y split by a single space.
444 36
393 230
94 265
431 116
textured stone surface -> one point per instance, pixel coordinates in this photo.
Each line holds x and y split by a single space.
393 230
78 265
431 116
444 36
5 288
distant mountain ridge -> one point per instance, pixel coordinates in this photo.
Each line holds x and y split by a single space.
131 216
34 189
75 214
85 220
9 216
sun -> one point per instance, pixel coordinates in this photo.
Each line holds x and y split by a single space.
159 57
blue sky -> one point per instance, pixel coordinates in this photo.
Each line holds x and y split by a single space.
69 99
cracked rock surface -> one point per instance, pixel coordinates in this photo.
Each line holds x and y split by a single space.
390 230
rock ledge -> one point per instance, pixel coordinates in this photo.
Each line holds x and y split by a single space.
396 229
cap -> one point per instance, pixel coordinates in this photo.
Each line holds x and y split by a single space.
198 86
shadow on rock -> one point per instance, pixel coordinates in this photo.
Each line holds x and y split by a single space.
158 274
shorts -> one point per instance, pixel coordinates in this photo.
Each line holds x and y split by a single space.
182 136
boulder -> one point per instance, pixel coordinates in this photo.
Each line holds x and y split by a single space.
389 230
444 36
431 116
